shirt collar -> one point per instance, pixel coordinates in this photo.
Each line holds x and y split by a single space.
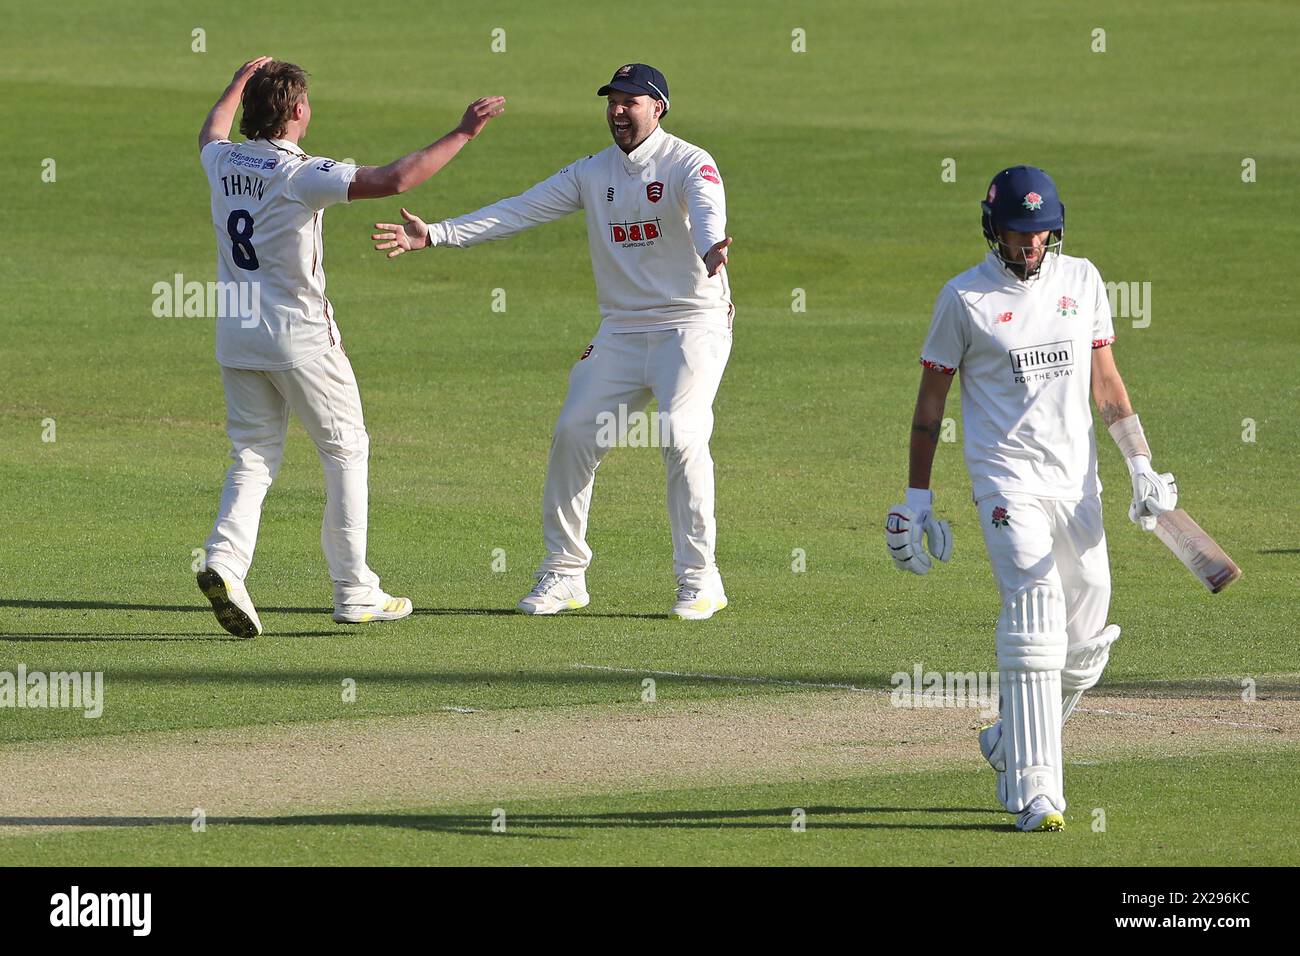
637 158
281 144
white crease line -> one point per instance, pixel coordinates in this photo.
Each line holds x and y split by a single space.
1203 720
876 690
723 677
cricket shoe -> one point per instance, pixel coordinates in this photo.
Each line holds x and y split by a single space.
1040 817
698 604
554 593
230 602
387 608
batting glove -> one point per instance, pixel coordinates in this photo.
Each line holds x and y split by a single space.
904 527
1153 494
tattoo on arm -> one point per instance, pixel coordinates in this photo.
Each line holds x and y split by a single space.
929 429
1111 412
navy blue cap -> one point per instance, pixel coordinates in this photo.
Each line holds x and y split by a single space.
1023 199
638 79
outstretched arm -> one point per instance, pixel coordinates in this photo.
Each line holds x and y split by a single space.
376 182
549 200
222 114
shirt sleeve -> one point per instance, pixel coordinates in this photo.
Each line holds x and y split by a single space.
706 202
211 154
322 182
1103 327
551 199
948 338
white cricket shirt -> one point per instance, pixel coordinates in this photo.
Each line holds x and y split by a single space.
651 215
1024 350
268 198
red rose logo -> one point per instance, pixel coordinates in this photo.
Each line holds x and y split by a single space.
1000 517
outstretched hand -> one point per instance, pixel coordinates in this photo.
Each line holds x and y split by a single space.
716 257
478 113
413 234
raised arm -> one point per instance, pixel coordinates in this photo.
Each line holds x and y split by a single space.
377 182
222 114
549 200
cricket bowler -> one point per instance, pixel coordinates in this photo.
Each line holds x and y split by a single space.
1030 331
656 227
268 202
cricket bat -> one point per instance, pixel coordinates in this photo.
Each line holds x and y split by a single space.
1199 552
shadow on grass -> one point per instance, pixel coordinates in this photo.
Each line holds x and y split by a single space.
555 825
199 607
167 637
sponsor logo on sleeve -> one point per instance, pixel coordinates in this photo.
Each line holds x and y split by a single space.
711 174
654 191
1041 363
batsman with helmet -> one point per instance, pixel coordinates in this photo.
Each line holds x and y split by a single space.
1030 331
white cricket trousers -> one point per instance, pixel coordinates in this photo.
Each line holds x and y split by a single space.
323 395
1053 542
618 375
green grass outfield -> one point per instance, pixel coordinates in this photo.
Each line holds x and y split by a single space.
832 160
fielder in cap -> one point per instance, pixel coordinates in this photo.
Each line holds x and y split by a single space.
1030 331
656 227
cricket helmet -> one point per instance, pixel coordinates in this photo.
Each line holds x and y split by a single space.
1022 199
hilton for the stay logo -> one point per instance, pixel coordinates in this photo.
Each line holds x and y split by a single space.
1039 363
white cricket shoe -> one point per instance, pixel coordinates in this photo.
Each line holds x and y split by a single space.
698 604
387 608
554 593
1040 817
230 602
